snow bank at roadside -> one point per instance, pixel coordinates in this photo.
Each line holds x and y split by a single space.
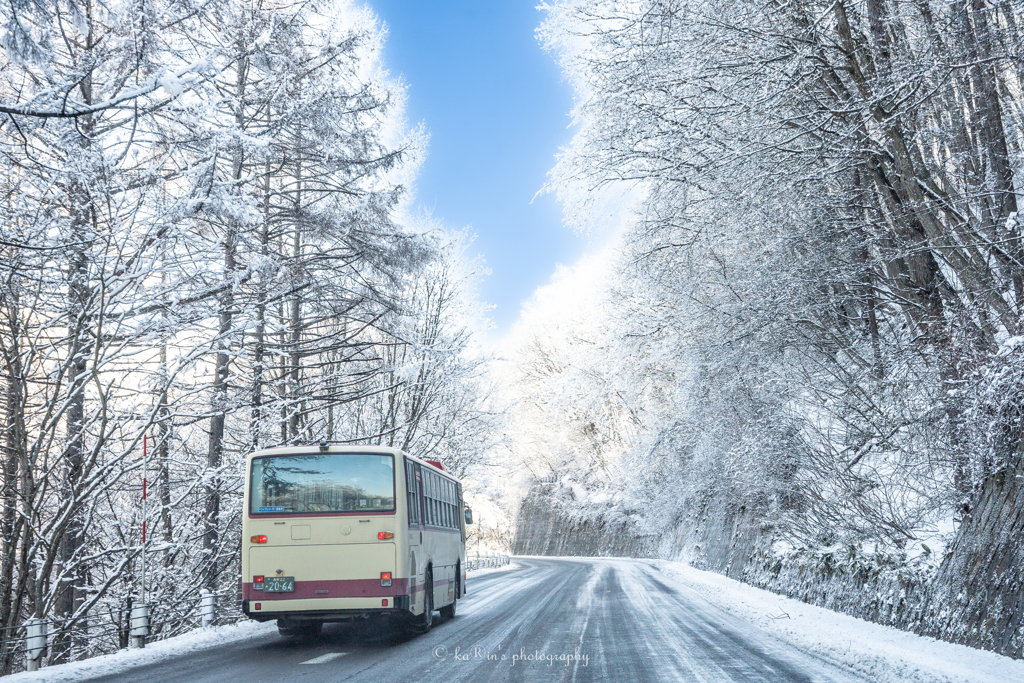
171 647
153 652
881 653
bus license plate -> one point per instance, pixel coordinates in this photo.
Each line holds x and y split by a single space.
279 584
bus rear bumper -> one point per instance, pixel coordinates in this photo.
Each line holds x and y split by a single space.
326 609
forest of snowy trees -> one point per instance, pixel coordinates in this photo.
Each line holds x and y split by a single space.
204 244
805 336
813 319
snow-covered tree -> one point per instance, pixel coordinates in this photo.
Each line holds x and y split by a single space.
825 266
203 247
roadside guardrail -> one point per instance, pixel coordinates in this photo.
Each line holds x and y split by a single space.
54 641
487 562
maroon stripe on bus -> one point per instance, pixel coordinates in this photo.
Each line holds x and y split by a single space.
348 588
437 584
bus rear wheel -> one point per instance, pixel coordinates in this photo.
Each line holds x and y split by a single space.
448 611
301 629
423 622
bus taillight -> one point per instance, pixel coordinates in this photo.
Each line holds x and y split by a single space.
384 535
257 583
258 539
385 578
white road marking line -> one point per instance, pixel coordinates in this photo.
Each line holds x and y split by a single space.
323 659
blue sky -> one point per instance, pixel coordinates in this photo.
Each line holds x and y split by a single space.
497 111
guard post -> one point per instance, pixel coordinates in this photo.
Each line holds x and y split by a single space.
140 625
209 607
35 643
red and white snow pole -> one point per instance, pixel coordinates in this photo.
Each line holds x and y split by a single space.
145 473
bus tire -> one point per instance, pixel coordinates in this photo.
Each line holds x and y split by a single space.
423 622
448 611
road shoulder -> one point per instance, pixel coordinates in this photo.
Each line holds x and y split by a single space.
123 660
881 653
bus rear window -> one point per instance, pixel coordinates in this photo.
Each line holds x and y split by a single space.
327 482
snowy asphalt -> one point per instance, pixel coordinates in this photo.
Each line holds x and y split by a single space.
546 620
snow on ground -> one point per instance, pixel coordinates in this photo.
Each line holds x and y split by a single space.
879 653
171 647
882 653
153 652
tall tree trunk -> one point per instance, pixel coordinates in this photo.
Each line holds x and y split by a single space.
259 350
977 597
69 597
282 373
14 446
163 458
219 400
295 314
79 346
219 407
295 358
999 200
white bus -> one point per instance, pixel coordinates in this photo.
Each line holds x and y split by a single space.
337 533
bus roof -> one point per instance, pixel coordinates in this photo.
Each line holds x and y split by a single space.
356 448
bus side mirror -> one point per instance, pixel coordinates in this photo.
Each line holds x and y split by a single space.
469 516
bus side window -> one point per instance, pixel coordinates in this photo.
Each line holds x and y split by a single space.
440 501
455 505
444 502
459 506
437 501
410 486
428 490
448 504
437 495
421 491
426 497
417 494
440 511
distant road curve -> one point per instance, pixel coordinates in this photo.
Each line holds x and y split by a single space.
550 619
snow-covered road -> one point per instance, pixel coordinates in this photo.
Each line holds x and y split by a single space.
542 620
